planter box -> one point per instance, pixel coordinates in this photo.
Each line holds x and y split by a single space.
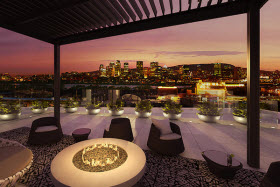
71 110
116 112
7 117
241 120
93 111
172 116
39 110
143 114
209 119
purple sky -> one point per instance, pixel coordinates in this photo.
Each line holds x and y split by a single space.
222 40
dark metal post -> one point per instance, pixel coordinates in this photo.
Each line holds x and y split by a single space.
57 82
253 86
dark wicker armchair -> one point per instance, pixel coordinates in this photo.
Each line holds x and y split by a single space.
46 136
120 128
272 178
165 147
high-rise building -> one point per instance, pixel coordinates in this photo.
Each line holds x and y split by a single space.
153 68
139 67
125 68
112 69
102 71
118 68
146 72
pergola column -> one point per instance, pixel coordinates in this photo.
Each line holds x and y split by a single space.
253 84
57 82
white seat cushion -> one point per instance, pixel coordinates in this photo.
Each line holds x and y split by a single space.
46 128
163 126
172 136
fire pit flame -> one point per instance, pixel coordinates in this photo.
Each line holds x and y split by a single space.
110 155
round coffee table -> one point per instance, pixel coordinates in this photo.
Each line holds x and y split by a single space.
218 164
65 173
81 134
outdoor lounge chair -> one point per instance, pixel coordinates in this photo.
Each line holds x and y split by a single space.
170 146
44 131
120 128
272 178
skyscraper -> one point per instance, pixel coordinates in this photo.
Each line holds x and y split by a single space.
102 71
139 67
118 68
125 68
153 68
112 69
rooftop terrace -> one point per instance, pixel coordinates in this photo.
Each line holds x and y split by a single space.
227 135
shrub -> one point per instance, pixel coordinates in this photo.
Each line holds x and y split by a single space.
93 105
240 110
208 109
116 106
39 104
9 109
144 106
71 104
170 107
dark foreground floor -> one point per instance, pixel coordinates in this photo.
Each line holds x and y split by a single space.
160 170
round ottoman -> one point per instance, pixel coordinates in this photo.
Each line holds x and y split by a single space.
81 134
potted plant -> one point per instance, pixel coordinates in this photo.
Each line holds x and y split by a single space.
240 112
144 109
38 107
208 112
116 109
172 110
9 112
71 106
93 108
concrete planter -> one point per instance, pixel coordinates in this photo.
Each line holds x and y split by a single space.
39 110
172 116
116 112
71 110
143 114
241 120
209 119
7 117
93 111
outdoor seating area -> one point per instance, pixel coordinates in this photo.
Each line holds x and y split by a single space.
187 138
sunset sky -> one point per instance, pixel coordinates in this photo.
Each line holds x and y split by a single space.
222 40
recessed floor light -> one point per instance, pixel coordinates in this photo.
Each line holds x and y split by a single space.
230 124
30 116
190 121
273 127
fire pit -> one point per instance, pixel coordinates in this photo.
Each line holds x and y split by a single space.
100 157
99 162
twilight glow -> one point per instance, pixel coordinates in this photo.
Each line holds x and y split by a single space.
222 40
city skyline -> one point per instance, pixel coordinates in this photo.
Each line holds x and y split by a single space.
221 40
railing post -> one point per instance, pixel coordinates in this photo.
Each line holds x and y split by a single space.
57 82
253 87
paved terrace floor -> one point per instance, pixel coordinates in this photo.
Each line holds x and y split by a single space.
226 135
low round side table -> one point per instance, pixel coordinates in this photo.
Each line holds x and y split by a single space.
218 164
81 134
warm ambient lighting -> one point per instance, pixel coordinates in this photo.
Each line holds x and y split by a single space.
174 87
100 157
109 156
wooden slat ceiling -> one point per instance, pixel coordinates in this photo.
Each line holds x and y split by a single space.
70 21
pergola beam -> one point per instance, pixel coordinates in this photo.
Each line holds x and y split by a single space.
45 12
204 13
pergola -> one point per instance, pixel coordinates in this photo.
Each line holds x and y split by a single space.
61 22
